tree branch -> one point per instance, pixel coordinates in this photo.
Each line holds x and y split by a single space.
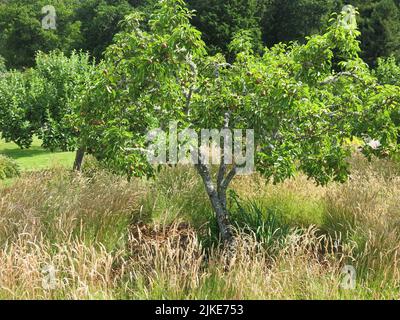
336 78
229 178
222 166
188 95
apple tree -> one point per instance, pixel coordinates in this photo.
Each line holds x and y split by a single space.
56 115
41 102
304 102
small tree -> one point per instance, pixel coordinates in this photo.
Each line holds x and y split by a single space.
305 102
41 101
56 115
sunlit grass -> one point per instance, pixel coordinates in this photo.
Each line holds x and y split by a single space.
36 158
113 239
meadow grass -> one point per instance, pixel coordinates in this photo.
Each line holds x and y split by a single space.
157 239
36 158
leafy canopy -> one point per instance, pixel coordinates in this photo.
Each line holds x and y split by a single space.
41 101
305 102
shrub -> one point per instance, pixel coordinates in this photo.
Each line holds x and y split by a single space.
8 168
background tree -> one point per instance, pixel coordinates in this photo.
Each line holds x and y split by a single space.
2 65
379 23
287 20
56 115
22 35
90 25
220 20
100 22
304 101
41 100
81 25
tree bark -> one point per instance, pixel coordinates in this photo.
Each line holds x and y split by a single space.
80 154
217 198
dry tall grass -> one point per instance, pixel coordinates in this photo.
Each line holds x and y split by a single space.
111 239
366 212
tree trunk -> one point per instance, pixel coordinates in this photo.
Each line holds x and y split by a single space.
218 202
80 153
217 193
222 214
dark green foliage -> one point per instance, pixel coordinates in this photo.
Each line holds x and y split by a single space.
379 23
220 20
99 23
88 25
293 20
2 65
22 35
288 20
268 226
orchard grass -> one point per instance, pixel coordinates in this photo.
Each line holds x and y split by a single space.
36 158
150 239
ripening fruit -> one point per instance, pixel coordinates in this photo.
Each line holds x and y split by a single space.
164 46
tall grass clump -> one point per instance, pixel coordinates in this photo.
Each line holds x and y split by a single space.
268 226
299 201
81 271
366 213
177 194
59 206
304 268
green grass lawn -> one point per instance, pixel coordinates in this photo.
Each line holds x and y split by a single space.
36 158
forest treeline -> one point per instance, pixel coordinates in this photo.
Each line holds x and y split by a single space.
90 25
